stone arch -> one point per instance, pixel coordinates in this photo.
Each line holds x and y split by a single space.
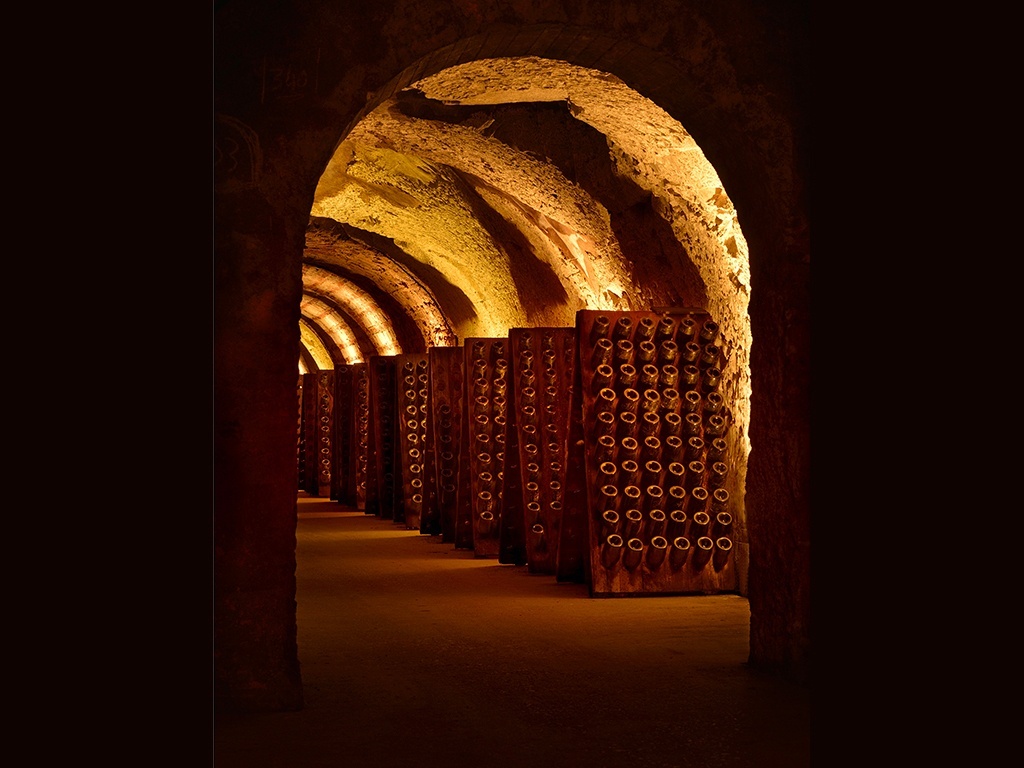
728 72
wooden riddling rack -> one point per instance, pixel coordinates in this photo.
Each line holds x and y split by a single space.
447 392
595 453
482 469
362 430
381 480
660 520
411 443
542 371
317 430
345 448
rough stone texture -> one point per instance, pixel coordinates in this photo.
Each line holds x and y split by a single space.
289 84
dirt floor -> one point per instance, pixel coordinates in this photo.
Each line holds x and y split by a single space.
414 653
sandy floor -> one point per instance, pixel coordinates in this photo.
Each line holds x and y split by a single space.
414 653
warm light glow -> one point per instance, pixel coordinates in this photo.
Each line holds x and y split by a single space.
391 277
315 346
341 334
357 304
423 208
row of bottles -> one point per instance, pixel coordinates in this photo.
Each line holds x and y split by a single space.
596 453
656 460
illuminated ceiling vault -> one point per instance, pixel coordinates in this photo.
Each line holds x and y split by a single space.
507 193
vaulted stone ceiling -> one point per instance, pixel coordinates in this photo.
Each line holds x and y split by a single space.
508 193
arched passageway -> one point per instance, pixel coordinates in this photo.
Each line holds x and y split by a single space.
503 179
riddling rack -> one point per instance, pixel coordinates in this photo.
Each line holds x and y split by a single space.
543 364
381 501
344 449
655 453
446 371
487 385
412 454
362 430
317 418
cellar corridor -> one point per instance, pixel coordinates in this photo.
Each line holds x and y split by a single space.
414 653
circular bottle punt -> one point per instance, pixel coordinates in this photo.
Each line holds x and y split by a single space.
651 473
632 554
680 549
709 332
723 545
713 403
669 375
717 475
687 330
651 449
611 550
689 353
656 522
600 328
694 476
689 377
717 450
719 500
715 426
709 355
691 401
722 525
627 425
630 400
692 425
648 376
673 425
646 352
650 424
610 522
656 552
629 448
633 520
668 353
675 525
650 400
694 449
623 352
666 329
623 328
602 377
627 376
705 546
645 328
698 500
606 423
711 380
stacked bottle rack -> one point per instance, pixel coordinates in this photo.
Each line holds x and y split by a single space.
362 430
344 451
381 466
653 426
543 366
484 467
447 391
411 454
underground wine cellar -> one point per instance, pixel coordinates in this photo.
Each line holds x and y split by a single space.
544 268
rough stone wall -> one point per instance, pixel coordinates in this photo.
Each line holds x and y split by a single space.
289 78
